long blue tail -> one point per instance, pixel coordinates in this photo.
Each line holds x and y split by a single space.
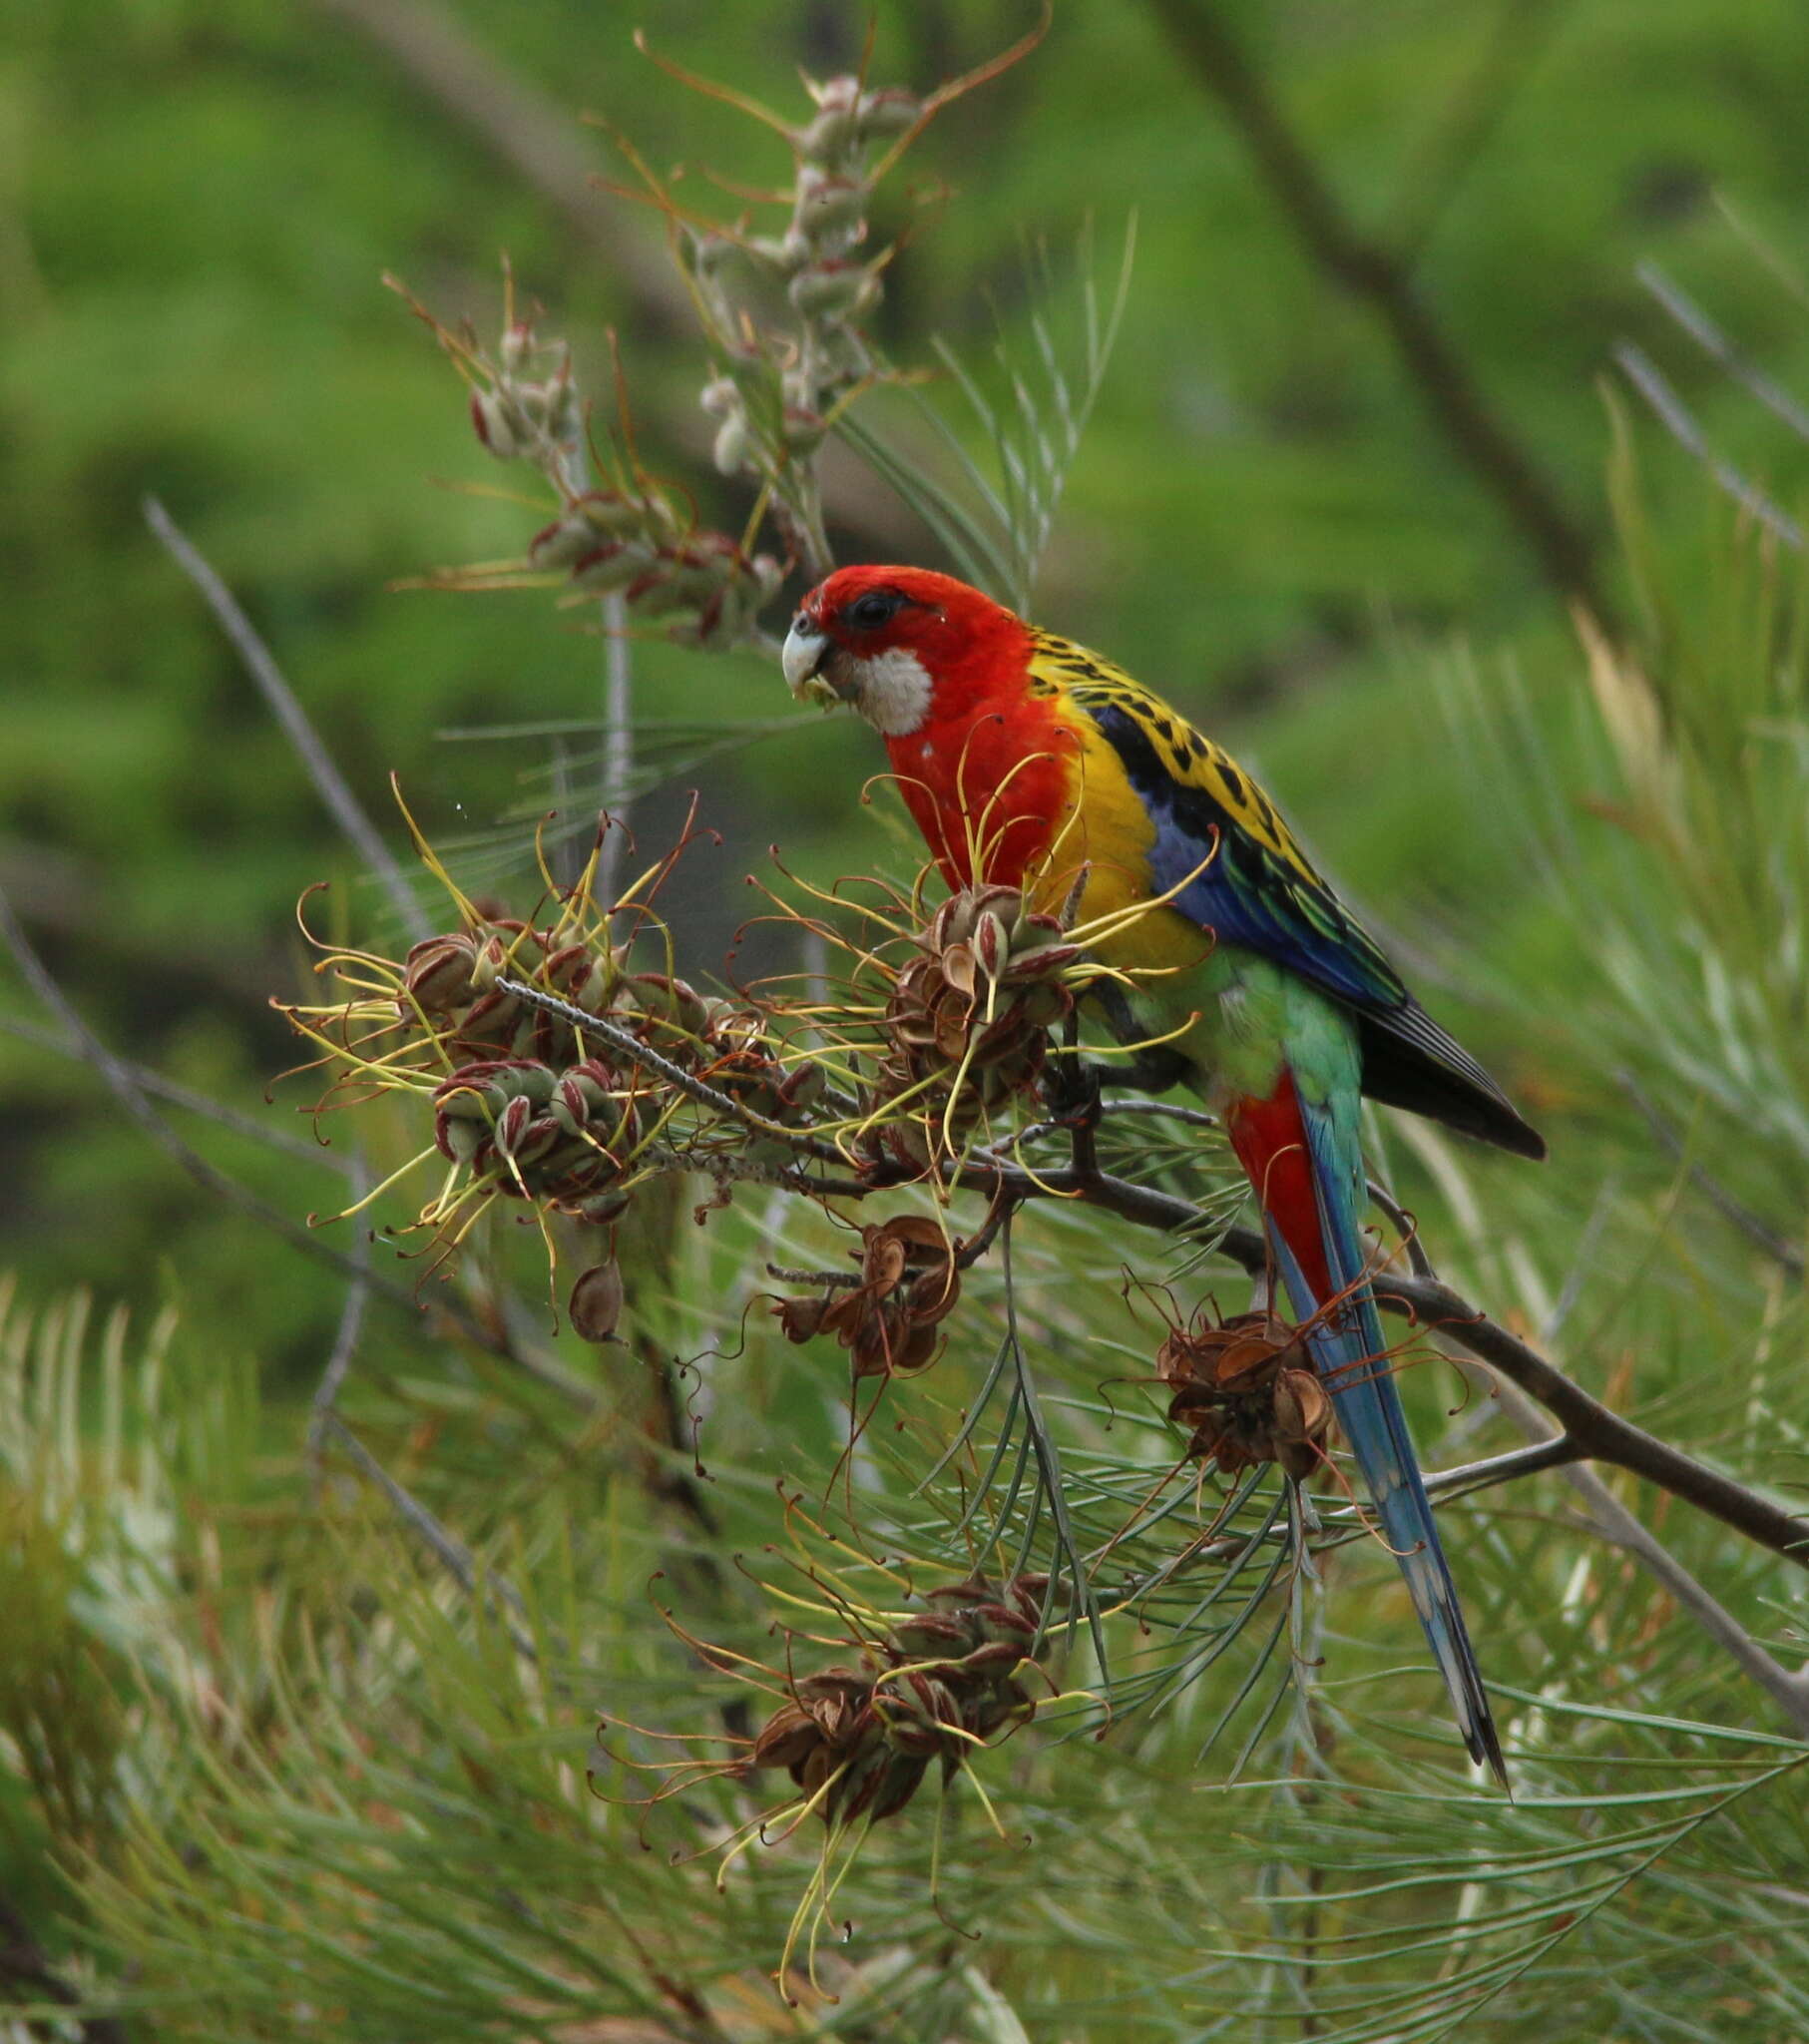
1348 1352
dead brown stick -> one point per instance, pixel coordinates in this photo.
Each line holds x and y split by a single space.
1597 1432
1377 278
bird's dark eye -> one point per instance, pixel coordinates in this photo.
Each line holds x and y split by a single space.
877 607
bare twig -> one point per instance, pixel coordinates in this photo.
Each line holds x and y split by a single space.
329 783
1679 420
1602 1434
1715 344
1735 1212
971 1251
1381 280
345 1341
1599 1432
537 136
184 1097
618 740
451 1554
1551 1452
121 1083
1516 40
1790 1691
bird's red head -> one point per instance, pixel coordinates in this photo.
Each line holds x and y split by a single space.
905 647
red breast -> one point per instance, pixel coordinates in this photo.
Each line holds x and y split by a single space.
987 786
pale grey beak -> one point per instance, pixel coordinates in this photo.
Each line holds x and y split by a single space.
805 649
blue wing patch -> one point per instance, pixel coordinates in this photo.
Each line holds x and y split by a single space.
1258 890
1249 894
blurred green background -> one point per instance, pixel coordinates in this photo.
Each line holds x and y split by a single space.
197 202
1599 874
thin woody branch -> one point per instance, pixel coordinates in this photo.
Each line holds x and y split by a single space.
1614 1522
1591 1428
1378 279
124 1083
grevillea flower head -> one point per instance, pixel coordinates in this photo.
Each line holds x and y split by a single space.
1247 1390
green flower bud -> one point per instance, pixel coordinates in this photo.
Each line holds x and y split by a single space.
836 127
881 115
563 542
495 426
786 255
613 565
438 972
804 430
833 290
613 514
728 451
830 208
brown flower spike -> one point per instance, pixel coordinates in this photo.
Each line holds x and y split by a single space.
888 1321
1247 1390
859 1741
968 1020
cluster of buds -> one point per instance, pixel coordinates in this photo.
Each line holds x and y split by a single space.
527 407
968 1020
741 1061
890 1320
769 405
858 1742
1247 1390
529 1097
630 540
543 1107
567 1138
561 1110
631 543
451 980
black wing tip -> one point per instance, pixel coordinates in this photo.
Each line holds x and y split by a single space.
1485 1745
1409 1062
1506 1131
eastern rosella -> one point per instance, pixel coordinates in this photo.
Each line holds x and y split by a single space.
1028 762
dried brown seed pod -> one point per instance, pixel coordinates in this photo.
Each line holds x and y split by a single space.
597 1300
1247 1390
862 1739
909 1283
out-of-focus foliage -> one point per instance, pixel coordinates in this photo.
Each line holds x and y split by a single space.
278 1759
198 200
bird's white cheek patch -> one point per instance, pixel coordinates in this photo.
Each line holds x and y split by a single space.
893 692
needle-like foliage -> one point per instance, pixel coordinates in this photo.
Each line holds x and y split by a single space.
901 1571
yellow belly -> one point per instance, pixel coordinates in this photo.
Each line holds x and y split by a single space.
1101 842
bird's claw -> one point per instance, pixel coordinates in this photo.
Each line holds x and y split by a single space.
1073 1092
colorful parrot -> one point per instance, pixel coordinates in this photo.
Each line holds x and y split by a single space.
1028 762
